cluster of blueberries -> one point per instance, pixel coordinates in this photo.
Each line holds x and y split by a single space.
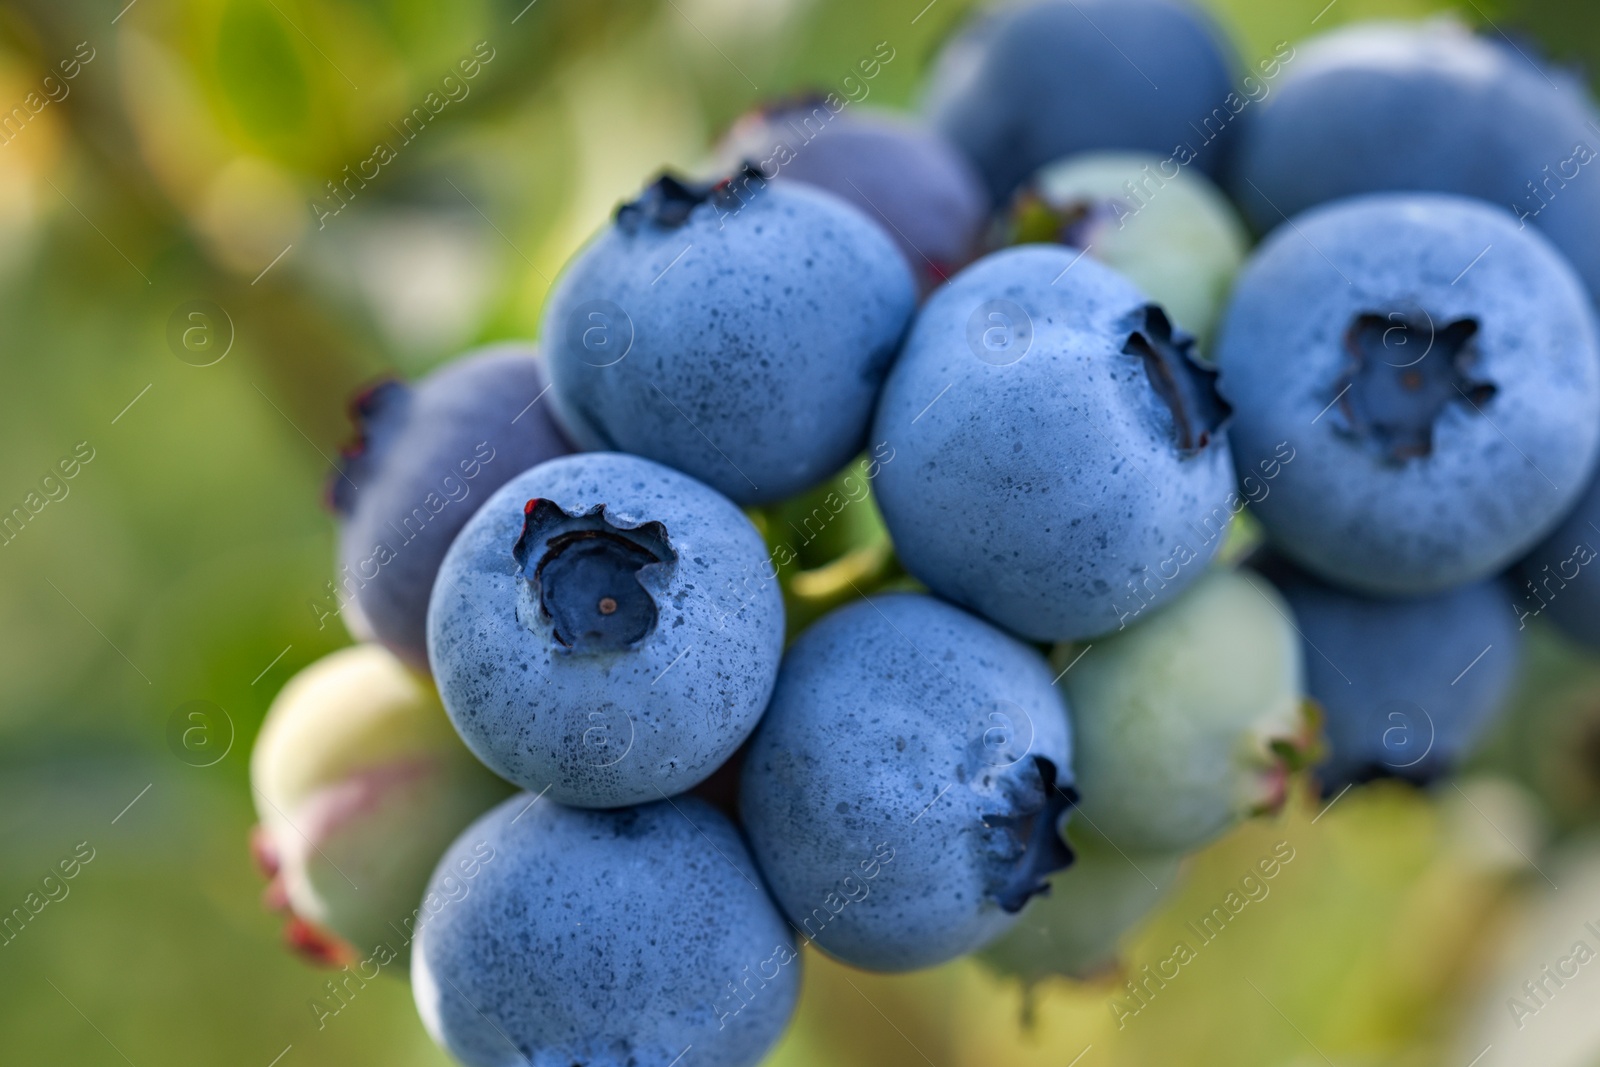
1171 519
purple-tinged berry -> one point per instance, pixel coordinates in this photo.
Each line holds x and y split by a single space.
902 175
426 455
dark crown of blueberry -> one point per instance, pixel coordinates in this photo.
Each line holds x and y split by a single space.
586 572
1402 374
1186 386
1037 828
376 415
668 201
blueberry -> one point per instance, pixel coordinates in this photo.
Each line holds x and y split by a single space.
1425 107
1075 930
1558 578
1058 462
560 936
739 333
1168 230
426 456
905 788
1191 720
1029 83
1407 686
903 175
607 629
360 783
1436 373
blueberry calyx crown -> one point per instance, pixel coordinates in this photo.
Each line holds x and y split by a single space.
588 572
669 201
377 413
1035 826
1288 756
1402 374
1186 386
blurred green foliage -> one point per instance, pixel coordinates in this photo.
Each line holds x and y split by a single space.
182 163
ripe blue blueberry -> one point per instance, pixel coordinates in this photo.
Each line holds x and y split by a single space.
904 176
904 792
605 628
426 456
1059 467
1436 371
1407 685
1559 578
1028 84
1425 107
1190 721
564 936
739 333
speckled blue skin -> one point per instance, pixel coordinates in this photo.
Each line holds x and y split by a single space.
1401 694
1028 84
877 789
905 176
1500 470
1425 107
432 453
1560 578
608 727
1048 494
609 939
754 359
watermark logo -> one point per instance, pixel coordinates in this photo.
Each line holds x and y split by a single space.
600 333
607 736
999 332
200 332
1000 733
1407 734
200 733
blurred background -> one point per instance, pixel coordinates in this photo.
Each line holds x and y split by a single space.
191 284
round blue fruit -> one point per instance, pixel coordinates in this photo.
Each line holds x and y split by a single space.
906 177
1435 371
1028 84
552 935
905 792
607 629
1425 107
1059 466
426 456
1407 686
738 332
